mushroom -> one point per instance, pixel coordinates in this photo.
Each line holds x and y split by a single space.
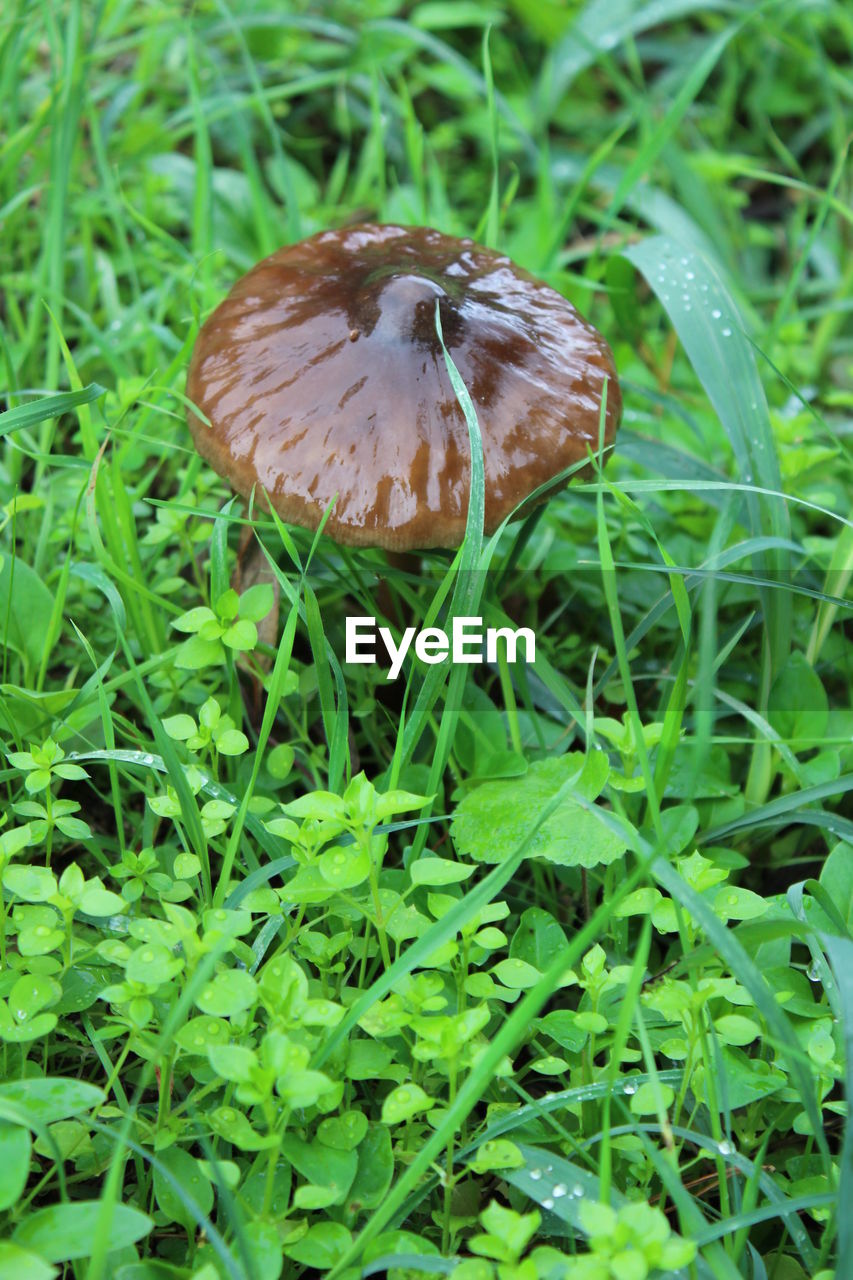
323 379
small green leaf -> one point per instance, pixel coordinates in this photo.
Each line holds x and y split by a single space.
194 619
232 1062
405 1101
516 974
196 1035
33 884
232 742
152 964
257 602
499 1153
344 867
180 727
232 1125
321 1246
735 1029
229 993
344 1132
439 871
279 761
241 635
733 903
196 653
649 1097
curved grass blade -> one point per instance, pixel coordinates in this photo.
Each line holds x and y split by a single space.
600 28
840 952
713 335
27 415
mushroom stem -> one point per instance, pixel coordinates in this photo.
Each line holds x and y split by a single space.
389 603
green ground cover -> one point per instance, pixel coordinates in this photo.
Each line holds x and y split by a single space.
485 972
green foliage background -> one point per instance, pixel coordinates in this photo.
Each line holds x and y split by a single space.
524 974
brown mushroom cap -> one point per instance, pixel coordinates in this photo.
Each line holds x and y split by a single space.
322 374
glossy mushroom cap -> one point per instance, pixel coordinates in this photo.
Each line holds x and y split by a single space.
322 374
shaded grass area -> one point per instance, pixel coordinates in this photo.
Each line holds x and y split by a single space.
543 970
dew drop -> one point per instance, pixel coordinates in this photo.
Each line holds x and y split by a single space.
727 333
560 1190
577 1192
716 313
685 297
689 275
725 1148
535 1175
146 759
813 972
630 1088
703 286
548 1204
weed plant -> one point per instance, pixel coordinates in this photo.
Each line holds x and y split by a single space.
487 972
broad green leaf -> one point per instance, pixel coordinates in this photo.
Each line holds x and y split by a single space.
14 1162
538 938
192 1197
26 607
375 1170
37 1102
493 820
799 708
64 1231
21 1264
264 1248
321 1165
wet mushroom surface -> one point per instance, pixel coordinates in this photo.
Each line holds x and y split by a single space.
323 377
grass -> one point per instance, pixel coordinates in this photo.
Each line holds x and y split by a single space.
524 973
